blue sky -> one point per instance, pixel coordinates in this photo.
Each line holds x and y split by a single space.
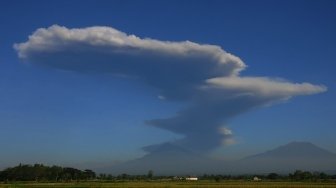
63 117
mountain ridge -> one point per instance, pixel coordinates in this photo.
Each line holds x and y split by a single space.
295 149
171 159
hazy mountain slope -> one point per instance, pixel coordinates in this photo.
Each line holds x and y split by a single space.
170 159
289 157
166 159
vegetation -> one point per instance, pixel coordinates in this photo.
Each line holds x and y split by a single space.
39 175
172 184
298 175
40 172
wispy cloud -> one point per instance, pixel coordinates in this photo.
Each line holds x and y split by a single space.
205 76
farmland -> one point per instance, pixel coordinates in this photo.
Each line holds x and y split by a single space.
201 183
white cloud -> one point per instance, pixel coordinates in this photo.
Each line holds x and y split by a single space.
263 86
227 138
161 64
55 38
204 75
225 131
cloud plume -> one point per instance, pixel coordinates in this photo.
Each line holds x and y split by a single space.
162 64
205 76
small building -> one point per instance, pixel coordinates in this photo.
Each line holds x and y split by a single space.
178 178
256 178
192 179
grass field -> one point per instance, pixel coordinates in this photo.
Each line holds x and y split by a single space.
233 184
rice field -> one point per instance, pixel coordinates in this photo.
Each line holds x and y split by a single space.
183 184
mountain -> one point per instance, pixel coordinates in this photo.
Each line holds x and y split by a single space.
290 157
164 159
171 159
296 150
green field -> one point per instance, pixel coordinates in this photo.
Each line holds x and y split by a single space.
234 184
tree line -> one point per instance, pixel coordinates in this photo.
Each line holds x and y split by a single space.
298 175
40 172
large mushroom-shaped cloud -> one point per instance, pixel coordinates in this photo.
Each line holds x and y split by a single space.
205 76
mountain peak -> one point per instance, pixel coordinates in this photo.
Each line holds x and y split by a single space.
289 157
296 150
300 143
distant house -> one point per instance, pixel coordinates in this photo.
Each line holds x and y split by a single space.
192 179
256 178
177 178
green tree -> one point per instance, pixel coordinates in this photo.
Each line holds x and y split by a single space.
150 174
273 176
89 174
